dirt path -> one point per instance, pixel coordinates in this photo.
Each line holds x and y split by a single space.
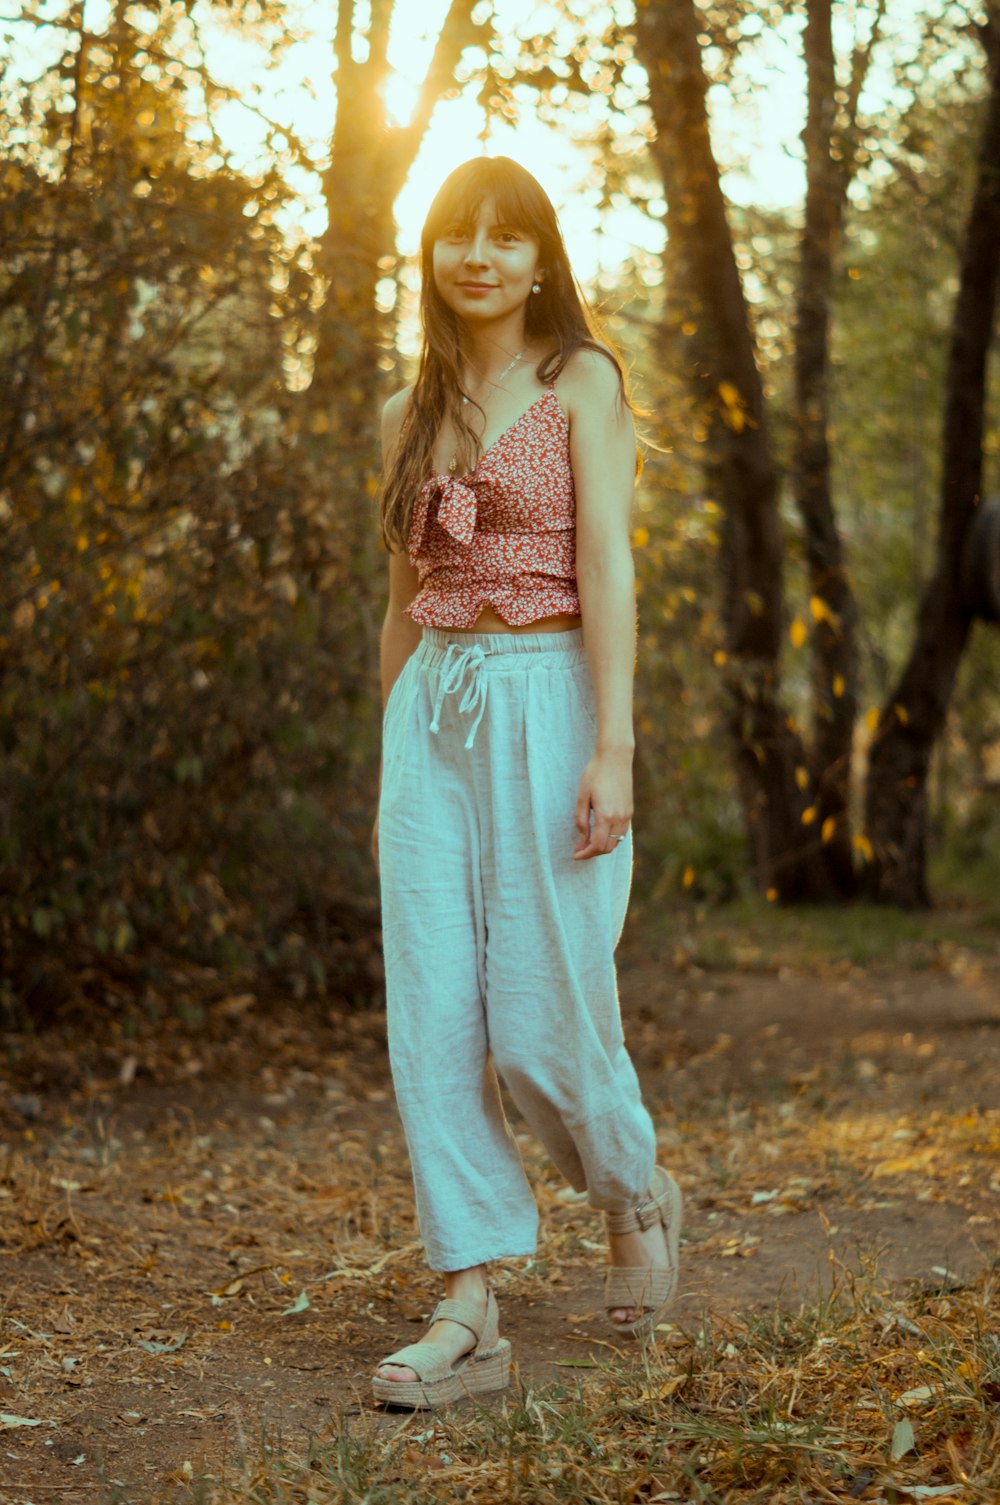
206 1231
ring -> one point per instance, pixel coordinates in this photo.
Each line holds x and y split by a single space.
613 837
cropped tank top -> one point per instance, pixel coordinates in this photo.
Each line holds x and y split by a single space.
505 534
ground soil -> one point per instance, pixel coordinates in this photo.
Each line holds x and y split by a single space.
207 1236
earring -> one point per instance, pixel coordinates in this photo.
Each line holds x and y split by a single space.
536 287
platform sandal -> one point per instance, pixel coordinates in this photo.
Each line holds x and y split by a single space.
650 1287
441 1380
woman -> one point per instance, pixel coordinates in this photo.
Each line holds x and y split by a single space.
507 658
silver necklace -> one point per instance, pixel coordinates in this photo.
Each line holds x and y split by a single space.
505 372
453 466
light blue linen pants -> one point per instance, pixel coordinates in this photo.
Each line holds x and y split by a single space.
499 947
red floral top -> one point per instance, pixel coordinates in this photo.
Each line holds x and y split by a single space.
505 534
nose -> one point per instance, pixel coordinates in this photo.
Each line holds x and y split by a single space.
476 254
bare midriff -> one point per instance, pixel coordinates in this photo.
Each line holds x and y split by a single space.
488 621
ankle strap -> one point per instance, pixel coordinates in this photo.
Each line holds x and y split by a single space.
456 1309
635 1220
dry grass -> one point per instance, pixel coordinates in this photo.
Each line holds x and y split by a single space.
207 1240
868 1396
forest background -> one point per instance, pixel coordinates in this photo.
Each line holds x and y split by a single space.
191 583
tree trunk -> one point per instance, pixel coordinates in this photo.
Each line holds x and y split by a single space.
369 163
340 411
712 320
914 715
835 667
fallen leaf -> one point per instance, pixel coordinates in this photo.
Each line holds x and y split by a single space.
902 1441
916 1397
927 1491
171 1346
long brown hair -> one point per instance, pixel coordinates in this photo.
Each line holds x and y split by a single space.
558 313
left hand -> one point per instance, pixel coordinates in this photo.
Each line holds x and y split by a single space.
604 804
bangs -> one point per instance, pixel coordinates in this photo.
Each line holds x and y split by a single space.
520 201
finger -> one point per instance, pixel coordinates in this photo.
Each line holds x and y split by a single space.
602 830
583 814
596 844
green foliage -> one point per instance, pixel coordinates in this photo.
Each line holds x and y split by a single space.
189 582
186 734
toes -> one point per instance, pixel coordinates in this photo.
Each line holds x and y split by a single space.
397 1373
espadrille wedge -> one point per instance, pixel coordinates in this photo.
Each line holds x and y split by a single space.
648 1289
441 1380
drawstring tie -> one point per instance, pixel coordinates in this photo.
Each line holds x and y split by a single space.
456 661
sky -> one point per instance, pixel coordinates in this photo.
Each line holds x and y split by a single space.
758 133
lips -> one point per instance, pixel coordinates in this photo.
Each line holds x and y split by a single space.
479 287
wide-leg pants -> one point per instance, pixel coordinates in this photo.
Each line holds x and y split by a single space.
499 946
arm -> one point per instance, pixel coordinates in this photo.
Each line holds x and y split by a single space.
602 448
400 634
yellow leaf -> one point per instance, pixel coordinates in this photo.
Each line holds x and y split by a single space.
802 778
902 713
864 846
640 538
808 816
871 718
730 394
688 877
719 657
82 543
829 826
798 632
918 1161
772 894
820 610
838 685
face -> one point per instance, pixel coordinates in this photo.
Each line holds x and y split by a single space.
485 269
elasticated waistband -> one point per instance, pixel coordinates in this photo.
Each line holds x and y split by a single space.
568 643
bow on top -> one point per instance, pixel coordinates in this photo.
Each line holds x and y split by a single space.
456 511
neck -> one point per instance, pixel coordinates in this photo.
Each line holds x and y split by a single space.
487 348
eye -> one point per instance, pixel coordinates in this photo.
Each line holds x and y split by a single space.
456 231
510 236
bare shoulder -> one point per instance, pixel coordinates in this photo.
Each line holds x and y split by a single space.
393 413
590 381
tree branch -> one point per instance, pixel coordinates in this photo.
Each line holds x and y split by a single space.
455 35
342 39
378 35
860 65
